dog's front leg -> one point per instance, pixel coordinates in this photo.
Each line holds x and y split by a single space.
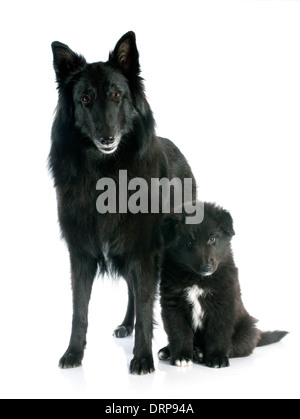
217 344
83 269
144 292
180 333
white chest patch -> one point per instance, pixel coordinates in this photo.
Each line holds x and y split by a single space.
192 295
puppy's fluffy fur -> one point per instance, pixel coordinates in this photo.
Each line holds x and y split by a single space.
202 308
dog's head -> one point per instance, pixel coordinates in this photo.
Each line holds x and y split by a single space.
101 98
200 248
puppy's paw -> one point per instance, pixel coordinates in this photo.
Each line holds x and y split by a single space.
141 366
217 361
182 361
71 359
164 354
123 331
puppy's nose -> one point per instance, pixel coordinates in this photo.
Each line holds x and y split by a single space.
206 269
106 140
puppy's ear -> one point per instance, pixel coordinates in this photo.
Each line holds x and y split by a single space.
126 56
226 222
169 228
65 61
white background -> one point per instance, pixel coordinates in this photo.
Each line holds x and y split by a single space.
223 80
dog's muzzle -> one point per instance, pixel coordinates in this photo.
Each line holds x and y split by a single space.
107 145
206 270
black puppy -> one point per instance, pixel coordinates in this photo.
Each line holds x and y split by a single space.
202 309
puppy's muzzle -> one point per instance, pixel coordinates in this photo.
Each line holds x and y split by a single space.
206 270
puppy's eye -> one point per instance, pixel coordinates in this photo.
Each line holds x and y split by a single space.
116 95
190 243
212 240
85 99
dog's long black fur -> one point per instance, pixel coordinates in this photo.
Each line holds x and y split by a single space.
202 308
104 124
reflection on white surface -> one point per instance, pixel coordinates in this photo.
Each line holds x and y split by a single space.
33 372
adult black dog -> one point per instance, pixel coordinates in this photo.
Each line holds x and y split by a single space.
103 127
202 309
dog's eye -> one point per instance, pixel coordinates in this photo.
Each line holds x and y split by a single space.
116 95
212 240
190 243
85 99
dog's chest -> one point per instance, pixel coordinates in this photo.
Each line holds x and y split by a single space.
193 295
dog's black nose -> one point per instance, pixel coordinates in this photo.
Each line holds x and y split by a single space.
106 140
206 268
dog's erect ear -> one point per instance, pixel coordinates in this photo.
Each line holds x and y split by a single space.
226 222
126 56
65 61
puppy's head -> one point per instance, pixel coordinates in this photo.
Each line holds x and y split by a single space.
200 248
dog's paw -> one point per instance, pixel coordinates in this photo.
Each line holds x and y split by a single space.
181 361
164 354
198 355
217 361
141 366
71 359
123 331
